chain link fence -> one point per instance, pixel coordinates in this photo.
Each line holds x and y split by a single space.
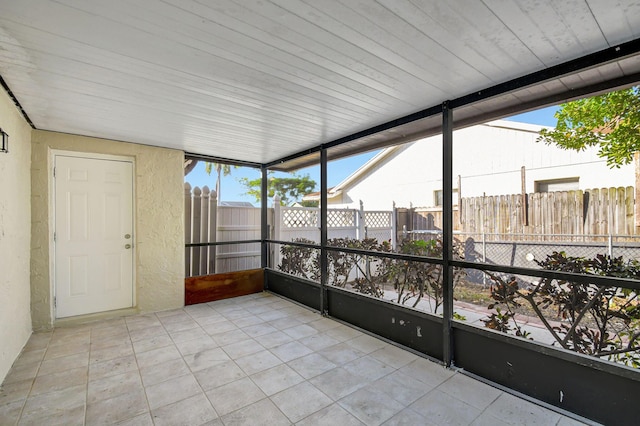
523 250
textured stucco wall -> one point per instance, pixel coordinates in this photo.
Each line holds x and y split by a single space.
159 221
15 230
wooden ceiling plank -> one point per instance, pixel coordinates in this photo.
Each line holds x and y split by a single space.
130 66
379 31
617 19
107 35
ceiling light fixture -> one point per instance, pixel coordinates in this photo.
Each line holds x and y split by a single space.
5 141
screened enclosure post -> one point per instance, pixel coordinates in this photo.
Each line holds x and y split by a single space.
324 264
447 232
187 229
264 227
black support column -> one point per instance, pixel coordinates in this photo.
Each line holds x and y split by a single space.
264 222
447 231
324 264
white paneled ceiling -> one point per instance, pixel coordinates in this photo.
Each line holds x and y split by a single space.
257 80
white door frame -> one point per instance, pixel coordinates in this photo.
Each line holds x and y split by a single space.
52 219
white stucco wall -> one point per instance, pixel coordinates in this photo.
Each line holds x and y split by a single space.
158 216
15 231
488 159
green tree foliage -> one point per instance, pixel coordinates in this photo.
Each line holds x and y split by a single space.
610 122
289 189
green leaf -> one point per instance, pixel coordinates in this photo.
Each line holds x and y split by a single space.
610 122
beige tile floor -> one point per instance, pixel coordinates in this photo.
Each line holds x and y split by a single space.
252 360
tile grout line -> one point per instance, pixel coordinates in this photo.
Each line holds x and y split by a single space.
135 357
189 367
33 382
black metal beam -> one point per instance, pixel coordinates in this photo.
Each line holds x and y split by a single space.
447 232
221 160
425 113
264 222
569 95
324 263
295 244
6 88
389 255
222 243
556 275
580 64
283 160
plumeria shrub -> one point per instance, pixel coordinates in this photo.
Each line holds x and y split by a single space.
582 317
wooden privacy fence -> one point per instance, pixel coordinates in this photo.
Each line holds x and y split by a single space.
595 212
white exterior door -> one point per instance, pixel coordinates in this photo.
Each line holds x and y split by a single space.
93 235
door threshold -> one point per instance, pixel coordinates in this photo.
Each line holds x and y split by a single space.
97 316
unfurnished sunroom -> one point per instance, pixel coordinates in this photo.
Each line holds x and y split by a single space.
125 91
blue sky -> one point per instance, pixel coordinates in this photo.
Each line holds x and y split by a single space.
338 170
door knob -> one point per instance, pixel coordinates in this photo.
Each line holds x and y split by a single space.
127 236
127 246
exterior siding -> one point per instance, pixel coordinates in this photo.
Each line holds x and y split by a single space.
488 159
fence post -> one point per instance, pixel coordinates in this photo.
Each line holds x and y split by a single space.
204 230
362 232
394 227
484 258
411 222
196 211
213 231
271 235
277 229
484 248
187 229
610 245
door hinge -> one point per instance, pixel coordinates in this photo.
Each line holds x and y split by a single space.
55 236
55 302
54 172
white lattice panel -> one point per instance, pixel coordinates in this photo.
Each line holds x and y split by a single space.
300 218
377 219
341 218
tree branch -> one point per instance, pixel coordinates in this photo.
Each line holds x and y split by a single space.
583 313
540 315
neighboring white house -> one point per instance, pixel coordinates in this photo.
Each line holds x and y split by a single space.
488 160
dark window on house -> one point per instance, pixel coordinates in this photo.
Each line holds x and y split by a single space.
554 185
437 197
